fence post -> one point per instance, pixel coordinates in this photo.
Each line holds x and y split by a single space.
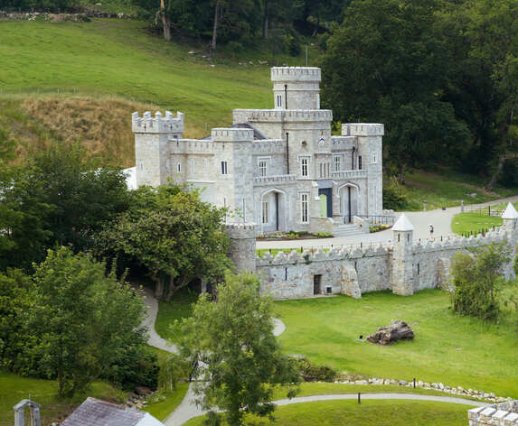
359 398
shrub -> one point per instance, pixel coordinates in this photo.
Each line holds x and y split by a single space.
312 373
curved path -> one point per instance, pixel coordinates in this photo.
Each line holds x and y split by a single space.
149 322
188 408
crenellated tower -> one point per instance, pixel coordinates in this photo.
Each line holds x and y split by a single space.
152 136
296 87
402 274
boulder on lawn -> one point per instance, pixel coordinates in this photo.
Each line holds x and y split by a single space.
398 330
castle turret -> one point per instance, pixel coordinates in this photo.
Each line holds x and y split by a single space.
242 245
152 135
296 87
369 157
402 278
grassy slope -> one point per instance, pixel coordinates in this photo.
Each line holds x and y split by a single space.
106 58
447 189
378 413
14 388
454 350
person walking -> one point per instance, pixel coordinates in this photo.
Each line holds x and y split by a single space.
431 230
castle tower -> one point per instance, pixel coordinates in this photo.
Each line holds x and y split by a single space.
152 135
402 275
369 158
242 245
296 87
235 178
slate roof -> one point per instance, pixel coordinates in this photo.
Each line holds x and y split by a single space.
94 412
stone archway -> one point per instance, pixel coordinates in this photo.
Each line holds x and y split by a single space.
349 196
273 211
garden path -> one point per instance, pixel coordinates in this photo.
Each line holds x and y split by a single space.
188 410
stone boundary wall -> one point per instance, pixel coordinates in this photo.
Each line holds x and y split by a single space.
504 414
403 266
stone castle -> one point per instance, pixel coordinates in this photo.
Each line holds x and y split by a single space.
279 168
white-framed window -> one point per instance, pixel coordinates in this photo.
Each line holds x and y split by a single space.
279 101
374 158
304 166
262 164
224 168
178 167
337 163
324 170
304 207
265 209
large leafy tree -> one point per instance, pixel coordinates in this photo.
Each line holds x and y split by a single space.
80 324
173 234
477 278
234 337
387 63
57 198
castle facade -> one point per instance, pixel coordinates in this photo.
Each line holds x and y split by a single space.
279 168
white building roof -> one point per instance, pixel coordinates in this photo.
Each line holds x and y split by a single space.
131 177
510 212
403 224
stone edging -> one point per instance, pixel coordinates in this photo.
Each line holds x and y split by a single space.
459 390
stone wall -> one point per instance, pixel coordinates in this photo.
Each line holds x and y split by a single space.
403 266
505 414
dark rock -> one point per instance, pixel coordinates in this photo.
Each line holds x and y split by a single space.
143 390
398 330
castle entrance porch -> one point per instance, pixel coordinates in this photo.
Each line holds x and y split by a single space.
273 211
326 202
349 202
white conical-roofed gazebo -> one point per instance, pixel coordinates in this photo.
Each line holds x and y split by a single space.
403 224
510 212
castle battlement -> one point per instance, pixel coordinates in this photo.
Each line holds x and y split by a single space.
232 135
362 129
191 146
342 142
157 124
293 74
276 115
269 146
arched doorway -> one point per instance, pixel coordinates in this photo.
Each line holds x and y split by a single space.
349 202
273 211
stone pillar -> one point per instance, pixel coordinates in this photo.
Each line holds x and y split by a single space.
242 245
402 273
510 218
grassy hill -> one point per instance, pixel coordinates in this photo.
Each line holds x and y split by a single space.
82 81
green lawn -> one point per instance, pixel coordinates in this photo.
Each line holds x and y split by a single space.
456 351
169 312
375 413
163 404
466 223
14 388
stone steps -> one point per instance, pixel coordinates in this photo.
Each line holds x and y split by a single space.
347 230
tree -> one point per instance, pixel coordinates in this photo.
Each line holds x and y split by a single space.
477 278
173 234
388 63
81 324
234 337
58 198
